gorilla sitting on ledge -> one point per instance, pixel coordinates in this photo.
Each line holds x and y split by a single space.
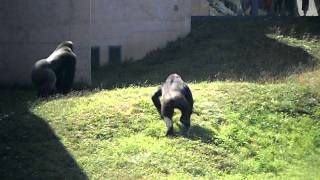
55 74
176 94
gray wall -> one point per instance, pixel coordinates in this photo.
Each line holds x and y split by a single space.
138 26
31 29
200 7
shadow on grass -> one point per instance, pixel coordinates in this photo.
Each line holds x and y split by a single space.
29 148
236 49
197 132
302 27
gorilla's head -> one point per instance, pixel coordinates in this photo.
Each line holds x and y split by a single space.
68 44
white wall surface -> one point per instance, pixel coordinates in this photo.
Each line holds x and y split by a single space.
200 8
138 26
31 29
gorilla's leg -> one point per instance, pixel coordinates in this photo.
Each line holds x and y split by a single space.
65 76
70 68
186 111
47 89
167 113
60 75
185 118
45 82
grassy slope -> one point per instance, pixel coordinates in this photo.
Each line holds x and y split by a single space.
225 49
241 129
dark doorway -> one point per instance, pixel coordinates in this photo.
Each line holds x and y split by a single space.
95 57
114 54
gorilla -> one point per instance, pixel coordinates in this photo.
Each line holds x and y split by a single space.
55 74
175 94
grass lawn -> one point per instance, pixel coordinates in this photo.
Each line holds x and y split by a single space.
257 100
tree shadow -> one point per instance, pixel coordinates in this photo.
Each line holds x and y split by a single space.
29 148
236 49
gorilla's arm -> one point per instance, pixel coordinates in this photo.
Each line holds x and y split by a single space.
188 95
156 100
63 62
43 78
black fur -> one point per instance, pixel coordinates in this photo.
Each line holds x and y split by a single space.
55 74
176 94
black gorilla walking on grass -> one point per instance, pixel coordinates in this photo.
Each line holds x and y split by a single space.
55 74
176 94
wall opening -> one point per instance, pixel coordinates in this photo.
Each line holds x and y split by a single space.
95 57
114 55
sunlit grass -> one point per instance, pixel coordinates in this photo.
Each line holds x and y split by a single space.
240 129
257 113
303 75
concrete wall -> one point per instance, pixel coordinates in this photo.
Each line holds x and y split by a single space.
138 26
31 29
200 8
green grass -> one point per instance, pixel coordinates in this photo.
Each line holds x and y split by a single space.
251 122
